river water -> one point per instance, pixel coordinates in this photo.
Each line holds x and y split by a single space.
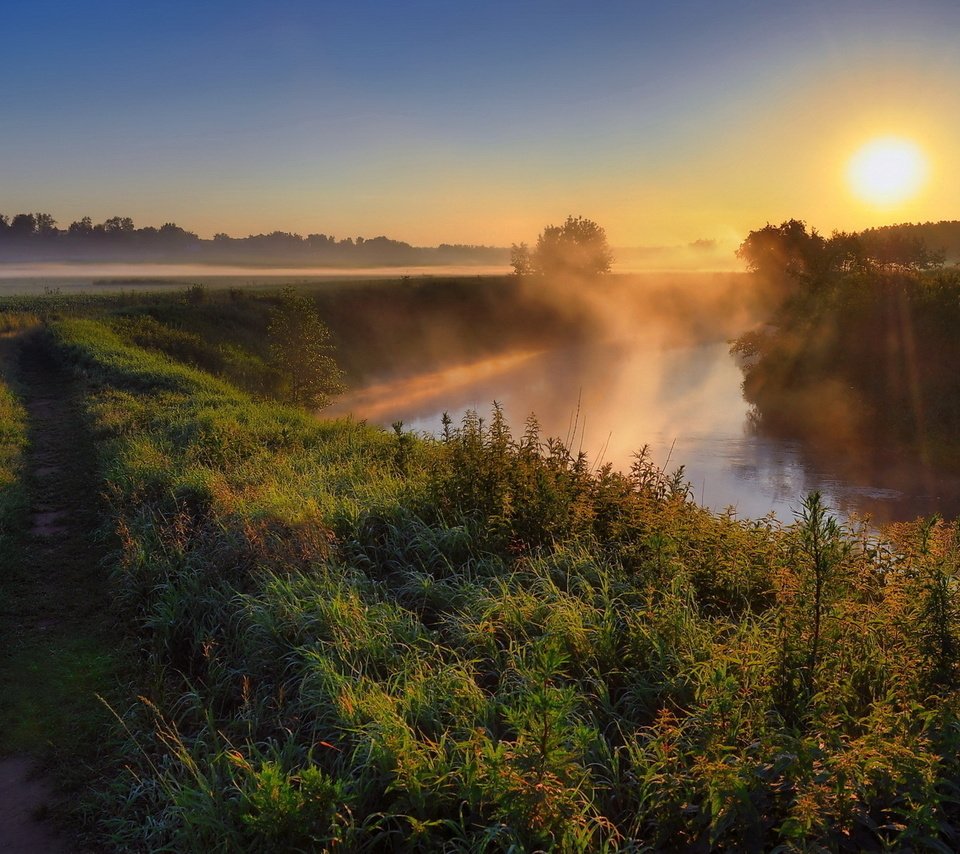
637 387
684 403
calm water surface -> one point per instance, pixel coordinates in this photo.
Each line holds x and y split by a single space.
685 403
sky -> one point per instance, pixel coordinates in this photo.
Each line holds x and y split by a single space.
430 122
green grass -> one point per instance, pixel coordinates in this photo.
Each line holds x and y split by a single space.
367 640
13 441
52 700
376 641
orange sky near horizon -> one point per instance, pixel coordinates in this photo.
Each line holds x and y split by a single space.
435 123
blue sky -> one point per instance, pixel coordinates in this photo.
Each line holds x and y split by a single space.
470 122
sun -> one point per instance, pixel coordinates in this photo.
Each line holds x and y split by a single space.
887 171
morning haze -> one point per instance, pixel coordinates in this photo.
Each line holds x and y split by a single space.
484 428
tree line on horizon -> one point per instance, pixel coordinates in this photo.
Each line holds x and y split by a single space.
789 251
36 236
578 244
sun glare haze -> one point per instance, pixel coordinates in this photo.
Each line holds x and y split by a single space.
887 171
429 122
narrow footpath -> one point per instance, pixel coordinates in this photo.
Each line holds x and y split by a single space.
55 628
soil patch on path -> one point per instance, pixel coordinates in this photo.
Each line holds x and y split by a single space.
55 623
23 802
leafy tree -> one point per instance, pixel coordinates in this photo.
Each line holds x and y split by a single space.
301 351
789 251
23 225
172 233
118 225
520 259
82 227
46 225
781 250
898 251
577 247
845 252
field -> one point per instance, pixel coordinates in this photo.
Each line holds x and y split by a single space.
314 635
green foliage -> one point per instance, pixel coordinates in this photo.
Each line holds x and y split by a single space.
788 252
376 641
866 360
807 596
900 249
785 249
246 369
300 346
13 442
578 248
15 321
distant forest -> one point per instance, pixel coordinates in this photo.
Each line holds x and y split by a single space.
943 236
30 237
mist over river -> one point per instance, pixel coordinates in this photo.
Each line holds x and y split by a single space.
684 402
627 362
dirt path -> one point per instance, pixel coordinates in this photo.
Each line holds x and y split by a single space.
52 607
24 802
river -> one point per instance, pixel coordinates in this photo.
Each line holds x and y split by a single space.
684 403
636 385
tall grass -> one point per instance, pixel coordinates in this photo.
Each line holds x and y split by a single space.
13 431
13 442
372 640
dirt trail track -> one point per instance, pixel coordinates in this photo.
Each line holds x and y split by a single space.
48 606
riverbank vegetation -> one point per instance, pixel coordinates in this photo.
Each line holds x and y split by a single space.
361 639
13 441
862 347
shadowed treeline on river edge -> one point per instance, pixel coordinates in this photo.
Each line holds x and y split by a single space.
859 357
368 640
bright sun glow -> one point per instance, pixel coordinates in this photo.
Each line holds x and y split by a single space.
887 171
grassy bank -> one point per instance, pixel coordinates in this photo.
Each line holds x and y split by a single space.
369 640
13 441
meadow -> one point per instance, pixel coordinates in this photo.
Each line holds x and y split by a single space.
357 639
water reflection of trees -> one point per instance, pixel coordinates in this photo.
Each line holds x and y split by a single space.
872 481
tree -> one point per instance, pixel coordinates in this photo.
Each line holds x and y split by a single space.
173 234
788 251
895 250
23 225
118 225
785 249
520 259
46 225
82 227
301 351
578 247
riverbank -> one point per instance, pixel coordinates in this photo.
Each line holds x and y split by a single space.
361 638
367 638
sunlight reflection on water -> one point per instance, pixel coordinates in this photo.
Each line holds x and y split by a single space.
684 402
